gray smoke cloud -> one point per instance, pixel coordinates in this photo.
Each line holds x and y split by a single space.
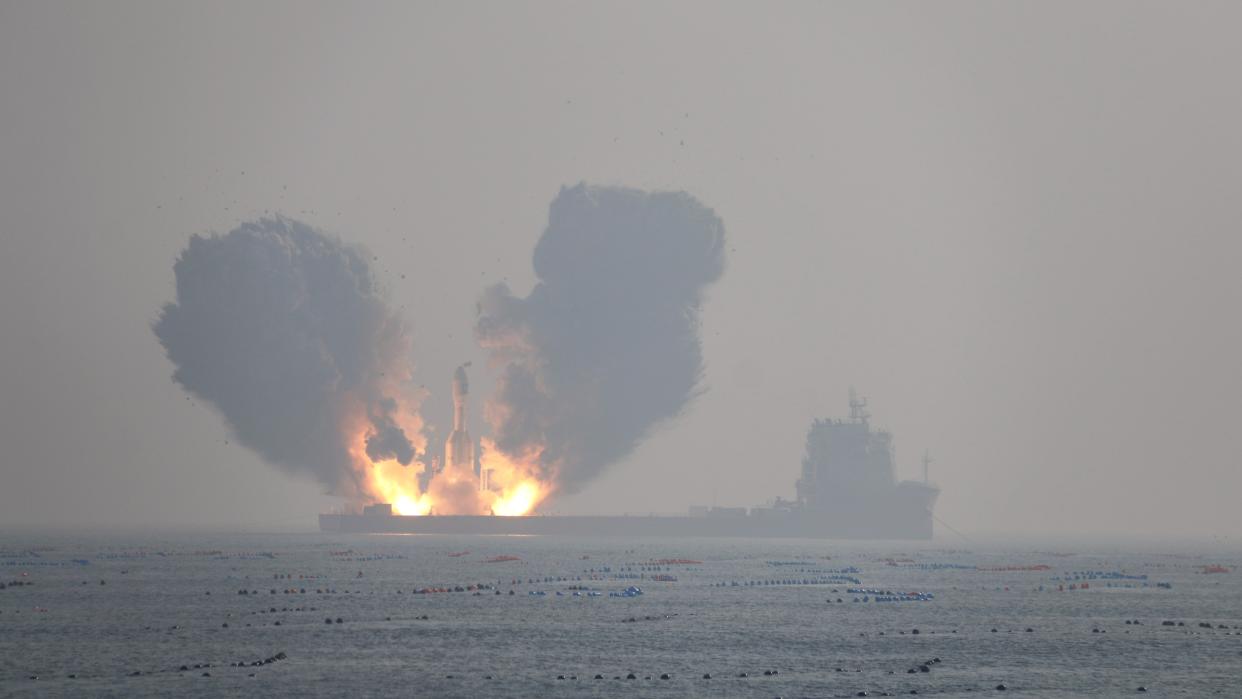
606 346
388 441
284 331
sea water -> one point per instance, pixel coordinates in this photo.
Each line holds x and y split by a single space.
419 616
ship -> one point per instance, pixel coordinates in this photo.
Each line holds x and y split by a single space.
847 490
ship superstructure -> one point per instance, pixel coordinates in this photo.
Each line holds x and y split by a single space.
846 460
849 481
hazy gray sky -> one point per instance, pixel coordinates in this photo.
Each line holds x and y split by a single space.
1014 226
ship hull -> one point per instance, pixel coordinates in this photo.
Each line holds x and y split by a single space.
912 525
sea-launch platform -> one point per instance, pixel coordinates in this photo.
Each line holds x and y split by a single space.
848 490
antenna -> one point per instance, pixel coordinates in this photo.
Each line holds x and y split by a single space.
926 462
858 407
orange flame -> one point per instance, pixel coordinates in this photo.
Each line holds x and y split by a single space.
513 486
393 483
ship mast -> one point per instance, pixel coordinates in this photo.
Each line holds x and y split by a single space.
858 407
926 462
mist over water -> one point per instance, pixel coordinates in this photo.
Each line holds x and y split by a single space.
1012 227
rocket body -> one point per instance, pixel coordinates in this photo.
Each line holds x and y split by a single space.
459 449
459 410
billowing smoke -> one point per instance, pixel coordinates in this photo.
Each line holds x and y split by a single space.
284 331
606 346
388 441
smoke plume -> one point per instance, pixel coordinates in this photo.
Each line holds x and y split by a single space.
388 441
283 330
606 346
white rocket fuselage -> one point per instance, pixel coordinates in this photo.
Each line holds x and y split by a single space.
459 412
459 449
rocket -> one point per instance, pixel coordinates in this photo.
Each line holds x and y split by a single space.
459 449
460 389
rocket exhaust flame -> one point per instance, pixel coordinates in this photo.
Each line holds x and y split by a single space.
455 490
502 486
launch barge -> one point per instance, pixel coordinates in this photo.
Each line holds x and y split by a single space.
848 490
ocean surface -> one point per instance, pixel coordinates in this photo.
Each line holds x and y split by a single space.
332 615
